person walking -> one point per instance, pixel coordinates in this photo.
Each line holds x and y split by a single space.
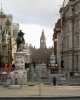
54 81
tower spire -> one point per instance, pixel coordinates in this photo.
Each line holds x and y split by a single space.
42 40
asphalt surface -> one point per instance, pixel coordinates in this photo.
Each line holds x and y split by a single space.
40 90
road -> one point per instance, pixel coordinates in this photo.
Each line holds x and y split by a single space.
42 90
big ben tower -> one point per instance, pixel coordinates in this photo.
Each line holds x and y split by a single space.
42 40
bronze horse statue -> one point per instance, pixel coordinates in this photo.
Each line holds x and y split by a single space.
20 41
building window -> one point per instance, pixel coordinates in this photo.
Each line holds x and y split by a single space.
76 62
76 41
67 42
76 25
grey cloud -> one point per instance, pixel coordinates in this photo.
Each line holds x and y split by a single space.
34 11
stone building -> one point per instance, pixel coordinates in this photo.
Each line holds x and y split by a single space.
57 42
42 54
42 40
8 33
15 30
70 15
5 40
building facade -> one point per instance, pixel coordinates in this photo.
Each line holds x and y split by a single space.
42 40
70 15
8 34
57 42
5 40
42 54
15 30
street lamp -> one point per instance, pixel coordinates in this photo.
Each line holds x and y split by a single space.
72 39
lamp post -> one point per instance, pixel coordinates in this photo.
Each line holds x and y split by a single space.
72 39
40 89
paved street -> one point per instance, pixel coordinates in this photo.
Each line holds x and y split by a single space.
40 90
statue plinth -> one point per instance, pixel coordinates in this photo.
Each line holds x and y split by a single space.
19 75
20 67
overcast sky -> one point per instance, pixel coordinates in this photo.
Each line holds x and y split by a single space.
33 16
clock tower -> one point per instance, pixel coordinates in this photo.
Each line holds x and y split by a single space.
42 40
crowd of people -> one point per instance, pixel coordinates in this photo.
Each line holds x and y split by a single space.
7 67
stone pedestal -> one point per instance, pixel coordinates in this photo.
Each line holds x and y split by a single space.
20 72
19 75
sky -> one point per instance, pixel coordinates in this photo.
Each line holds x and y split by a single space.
33 16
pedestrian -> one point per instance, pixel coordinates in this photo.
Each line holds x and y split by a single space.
54 81
13 67
16 81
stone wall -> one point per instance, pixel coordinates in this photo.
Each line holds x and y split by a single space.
71 19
